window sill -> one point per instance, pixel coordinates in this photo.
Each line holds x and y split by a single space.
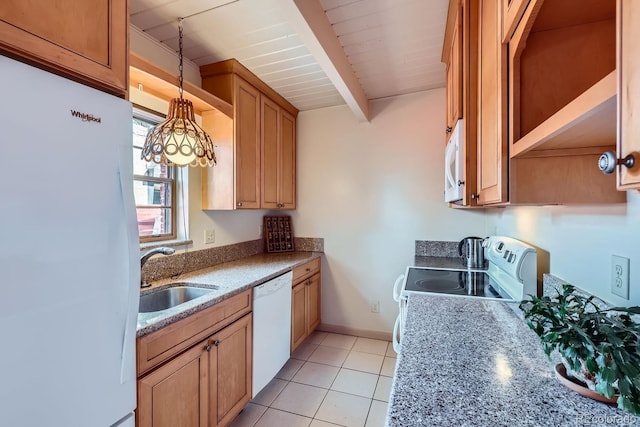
169 243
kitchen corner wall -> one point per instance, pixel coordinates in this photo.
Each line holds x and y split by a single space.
370 190
579 241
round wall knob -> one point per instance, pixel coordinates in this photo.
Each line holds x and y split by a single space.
607 162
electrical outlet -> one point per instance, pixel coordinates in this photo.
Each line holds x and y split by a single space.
209 236
375 306
620 276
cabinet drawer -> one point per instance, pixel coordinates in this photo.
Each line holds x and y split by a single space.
163 344
306 270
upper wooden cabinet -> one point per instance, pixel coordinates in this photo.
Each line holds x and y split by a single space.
278 156
492 180
85 40
460 54
256 155
629 92
562 113
453 61
512 11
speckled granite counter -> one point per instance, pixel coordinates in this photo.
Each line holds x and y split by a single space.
468 362
230 278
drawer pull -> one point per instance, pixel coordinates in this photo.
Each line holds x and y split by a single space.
216 343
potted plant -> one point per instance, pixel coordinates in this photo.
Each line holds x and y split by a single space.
600 346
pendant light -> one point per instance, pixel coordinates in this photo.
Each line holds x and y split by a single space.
179 140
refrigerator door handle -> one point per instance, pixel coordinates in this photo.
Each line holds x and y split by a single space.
128 366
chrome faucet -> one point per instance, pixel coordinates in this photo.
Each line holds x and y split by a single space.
143 260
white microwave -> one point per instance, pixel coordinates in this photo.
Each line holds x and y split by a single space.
453 165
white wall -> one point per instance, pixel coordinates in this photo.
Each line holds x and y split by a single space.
580 240
371 190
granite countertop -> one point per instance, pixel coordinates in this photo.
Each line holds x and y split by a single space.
473 362
229 278
438 262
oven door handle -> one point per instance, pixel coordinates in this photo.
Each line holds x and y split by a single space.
397 288
396 335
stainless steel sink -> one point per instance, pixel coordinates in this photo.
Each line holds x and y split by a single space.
176 294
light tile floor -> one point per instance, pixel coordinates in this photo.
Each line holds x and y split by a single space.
330 380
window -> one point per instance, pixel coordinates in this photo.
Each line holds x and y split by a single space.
154 187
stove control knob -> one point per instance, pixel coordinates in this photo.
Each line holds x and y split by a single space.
499 247
512 258
506 254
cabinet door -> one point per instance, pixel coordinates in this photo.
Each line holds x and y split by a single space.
492 147
313 299
454 74
298 315
287 159
230 370
628 91
512 11
270 118
162 394
247 145
85 40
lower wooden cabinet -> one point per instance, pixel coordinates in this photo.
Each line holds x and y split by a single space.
205 386
230 371
305 305
177 393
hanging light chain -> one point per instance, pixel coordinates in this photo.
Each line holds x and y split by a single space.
180 54
179 139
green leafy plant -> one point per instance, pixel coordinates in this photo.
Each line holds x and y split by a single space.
601 344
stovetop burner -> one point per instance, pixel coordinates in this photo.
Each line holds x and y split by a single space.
440 285
464 282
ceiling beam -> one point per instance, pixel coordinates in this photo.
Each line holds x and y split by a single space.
308 19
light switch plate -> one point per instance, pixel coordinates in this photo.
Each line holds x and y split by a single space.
620 276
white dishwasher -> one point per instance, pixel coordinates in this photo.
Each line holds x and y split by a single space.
271 329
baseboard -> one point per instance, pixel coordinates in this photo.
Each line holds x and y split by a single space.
338 329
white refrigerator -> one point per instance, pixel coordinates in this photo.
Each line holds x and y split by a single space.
69 253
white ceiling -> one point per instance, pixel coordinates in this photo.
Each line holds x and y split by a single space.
386 47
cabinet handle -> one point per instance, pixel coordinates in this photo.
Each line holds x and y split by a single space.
449 129
460 183
208 347
308 282
475 196
216 343
308 269
239 204
607 162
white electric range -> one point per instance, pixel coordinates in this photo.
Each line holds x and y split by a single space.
510 276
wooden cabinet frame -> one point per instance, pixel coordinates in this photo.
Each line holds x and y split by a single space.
306 302
260 149
90 45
